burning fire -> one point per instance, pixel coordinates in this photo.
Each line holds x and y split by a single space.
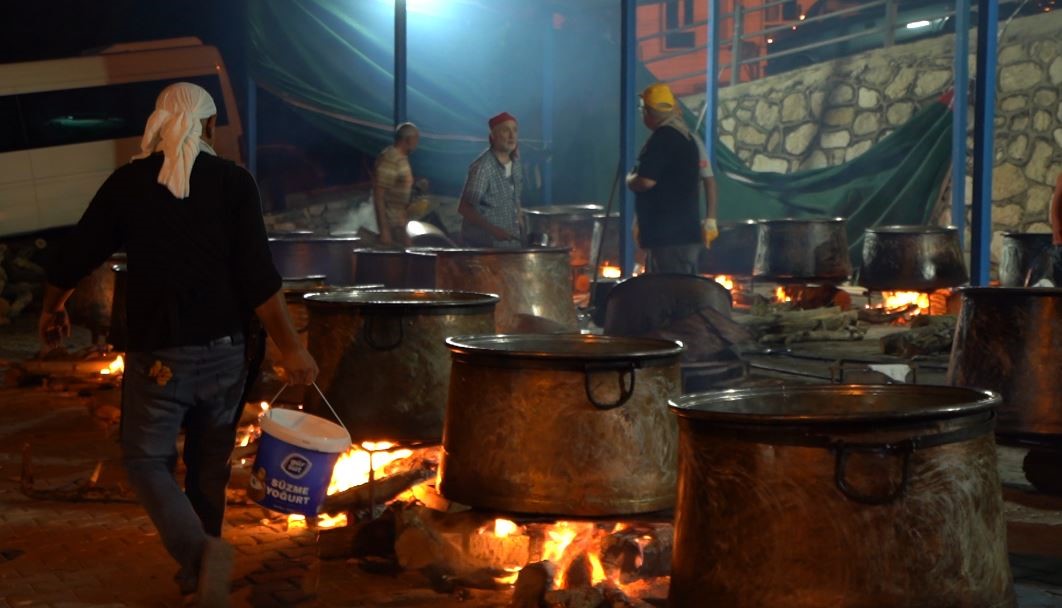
726 281
354 469
780 295
114 368
899 300
608 271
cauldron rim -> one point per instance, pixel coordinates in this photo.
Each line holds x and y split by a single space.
912 229
696 405
565 348
1010 291
402 299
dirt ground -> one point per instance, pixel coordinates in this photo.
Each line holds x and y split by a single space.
56 552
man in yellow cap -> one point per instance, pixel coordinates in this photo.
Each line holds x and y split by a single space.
670 170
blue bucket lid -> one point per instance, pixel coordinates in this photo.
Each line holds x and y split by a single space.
306 431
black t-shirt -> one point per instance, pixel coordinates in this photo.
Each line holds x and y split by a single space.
197 267
670 212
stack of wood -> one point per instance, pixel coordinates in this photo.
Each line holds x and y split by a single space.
21 279
777 325
928 335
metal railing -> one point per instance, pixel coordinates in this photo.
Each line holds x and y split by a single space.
746 41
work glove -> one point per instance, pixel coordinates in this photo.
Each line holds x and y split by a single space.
709 231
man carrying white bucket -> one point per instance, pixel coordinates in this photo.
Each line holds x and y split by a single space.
198 269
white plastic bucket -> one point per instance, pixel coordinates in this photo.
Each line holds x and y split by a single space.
296 455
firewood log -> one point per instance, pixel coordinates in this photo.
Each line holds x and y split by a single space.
381 491
532 584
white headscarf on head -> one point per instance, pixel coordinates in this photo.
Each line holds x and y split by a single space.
174 129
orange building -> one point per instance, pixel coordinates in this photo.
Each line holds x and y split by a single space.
673 39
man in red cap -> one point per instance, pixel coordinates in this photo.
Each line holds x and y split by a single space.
490 201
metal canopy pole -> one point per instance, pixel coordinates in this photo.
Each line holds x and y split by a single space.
628 46
547 110
252 127
711 88
984 126
400 62
961 71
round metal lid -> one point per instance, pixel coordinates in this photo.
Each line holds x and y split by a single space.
566 347
311 238
500 250
577 211
834 403
804 220
1015 234
912 229
1011 291
298 292
418 299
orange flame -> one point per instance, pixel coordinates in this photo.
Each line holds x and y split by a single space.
726 281
780 295
504 528
608 271
114 368
896 300
352 469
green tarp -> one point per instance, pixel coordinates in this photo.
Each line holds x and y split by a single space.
468 60
897 181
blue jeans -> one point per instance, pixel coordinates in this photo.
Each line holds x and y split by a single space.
203 394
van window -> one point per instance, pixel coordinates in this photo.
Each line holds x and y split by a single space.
74 116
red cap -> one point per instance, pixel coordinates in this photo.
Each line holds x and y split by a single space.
500 118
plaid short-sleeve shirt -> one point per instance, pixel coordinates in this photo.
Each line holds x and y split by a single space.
495 196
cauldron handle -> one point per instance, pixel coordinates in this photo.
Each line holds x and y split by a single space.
367 332
842 450
625 391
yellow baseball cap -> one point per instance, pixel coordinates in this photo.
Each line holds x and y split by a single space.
658 96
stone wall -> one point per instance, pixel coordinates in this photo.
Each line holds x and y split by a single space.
830 113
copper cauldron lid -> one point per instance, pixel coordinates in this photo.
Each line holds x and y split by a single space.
403 299
835 403
582 348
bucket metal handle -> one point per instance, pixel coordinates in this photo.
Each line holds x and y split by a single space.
626 388
368 331
842 450
323 398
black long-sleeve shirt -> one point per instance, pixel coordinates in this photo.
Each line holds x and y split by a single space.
197 267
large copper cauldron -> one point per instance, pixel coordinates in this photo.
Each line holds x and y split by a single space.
532 283
384 364
299 254
268 382
1023 259
802 251
395 268
912 258
734 252
90 304
118 333
1009 339
839 495
567 424
584 228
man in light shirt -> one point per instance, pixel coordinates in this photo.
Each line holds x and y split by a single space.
490 201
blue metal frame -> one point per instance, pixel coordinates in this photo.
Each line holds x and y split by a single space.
961 71
547 110
984 126
628 48
251 128
400 62
711 89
